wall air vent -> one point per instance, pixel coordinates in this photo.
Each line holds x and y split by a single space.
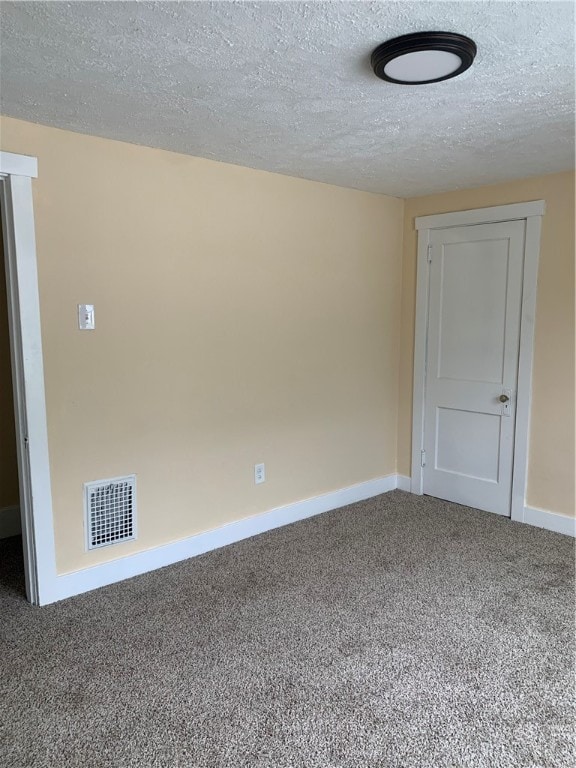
110 511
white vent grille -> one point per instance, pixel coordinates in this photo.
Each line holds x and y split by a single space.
110 511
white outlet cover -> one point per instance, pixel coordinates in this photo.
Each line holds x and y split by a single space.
259 473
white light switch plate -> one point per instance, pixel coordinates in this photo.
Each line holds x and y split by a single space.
86 317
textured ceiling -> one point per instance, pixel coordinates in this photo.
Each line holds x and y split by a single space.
287 86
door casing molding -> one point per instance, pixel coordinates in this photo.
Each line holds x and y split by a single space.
16 173
532 213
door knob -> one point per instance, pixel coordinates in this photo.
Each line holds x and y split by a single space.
503 398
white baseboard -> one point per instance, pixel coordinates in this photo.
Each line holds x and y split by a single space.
403 483
552 521
10 524
75 583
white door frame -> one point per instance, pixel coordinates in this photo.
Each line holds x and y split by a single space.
532 213
16 174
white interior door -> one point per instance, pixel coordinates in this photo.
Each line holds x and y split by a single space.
475 297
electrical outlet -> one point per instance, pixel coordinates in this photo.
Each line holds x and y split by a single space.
259 473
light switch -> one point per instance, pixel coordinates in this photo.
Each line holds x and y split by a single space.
86 317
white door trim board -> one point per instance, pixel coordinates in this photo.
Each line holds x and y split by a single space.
491 215
525 358
18 165
420 344
84 580
28 375
10 524
532 212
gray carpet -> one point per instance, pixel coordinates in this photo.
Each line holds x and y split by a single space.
400 631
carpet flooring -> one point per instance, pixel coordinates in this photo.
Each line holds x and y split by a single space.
401 631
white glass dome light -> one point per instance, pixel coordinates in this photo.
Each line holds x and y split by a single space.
422 65
423 57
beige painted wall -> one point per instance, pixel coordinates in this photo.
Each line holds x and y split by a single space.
551 463
241 317
9 493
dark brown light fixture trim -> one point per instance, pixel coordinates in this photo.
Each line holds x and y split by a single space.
418 42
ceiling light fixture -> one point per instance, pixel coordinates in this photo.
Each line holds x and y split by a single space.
423 57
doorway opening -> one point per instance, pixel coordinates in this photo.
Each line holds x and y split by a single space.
24 327
11 566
